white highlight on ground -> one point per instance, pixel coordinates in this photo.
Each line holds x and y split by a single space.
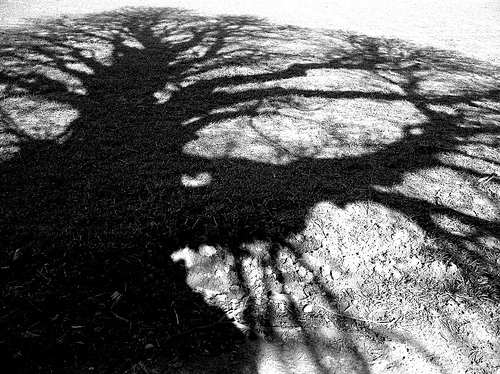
35 117
166 94
186 255
199 180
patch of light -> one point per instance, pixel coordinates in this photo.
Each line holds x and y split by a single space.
230 139
279 136
443 109
82 68
191 120
100 53
360 232
199 180
133 43
208 270
166 93
72 83
185 255
449 188
34 117
177 38
195 52
80 91
452 225
416 131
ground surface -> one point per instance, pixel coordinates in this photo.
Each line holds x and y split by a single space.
183 193
468 27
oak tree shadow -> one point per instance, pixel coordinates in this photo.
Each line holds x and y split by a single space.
129 135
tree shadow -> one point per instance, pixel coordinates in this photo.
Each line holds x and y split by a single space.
129 135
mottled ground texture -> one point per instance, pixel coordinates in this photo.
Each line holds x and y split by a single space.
186 192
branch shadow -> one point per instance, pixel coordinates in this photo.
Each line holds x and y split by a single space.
129 135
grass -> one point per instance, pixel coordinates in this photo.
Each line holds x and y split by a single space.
333 192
